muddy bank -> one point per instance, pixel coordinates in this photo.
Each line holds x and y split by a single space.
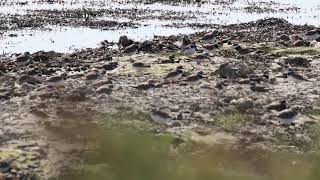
233 92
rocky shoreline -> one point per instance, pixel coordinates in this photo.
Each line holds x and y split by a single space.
243 76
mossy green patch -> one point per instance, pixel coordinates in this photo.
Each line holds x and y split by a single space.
267 49
315 111
298 51
22 160
230 121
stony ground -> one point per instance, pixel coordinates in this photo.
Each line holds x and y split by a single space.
39 122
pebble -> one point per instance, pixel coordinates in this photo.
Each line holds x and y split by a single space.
110 66
28 79
284 37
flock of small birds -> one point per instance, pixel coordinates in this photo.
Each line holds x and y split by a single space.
198 51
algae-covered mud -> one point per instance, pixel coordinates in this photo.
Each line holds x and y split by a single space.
159 90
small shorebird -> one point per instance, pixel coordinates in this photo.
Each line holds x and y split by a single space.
209 48
57 80
92 75
209 37
200 58
194 79
295 76
146 85
174 75
287 116
23 59
185 41
277 106
258 88
105 89
189 50
313 34
131 50
160 117
140 66
243 51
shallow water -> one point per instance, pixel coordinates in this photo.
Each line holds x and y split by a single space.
210 12
66 39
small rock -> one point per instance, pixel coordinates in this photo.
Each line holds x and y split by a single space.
105 89
4 166
145 86
284 37
296 38
2 68
166 60
124 41
77 95
93 75
234 70
148 47
244 104
298 61
28 79
110 66
273 80
300 43
40 58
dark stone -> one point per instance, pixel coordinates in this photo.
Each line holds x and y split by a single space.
105 89
234 70
284 37
298 61
40 58
296 38
110 66
145 86
167 60
2 68
92 75
124 41
318 39
186 40
148 47
5 93
271 22
4 166
300 43
29 79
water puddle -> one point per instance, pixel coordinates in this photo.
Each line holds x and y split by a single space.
68 39
152 18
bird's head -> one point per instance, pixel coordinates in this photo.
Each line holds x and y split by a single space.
179 71
200 74
194 45
237 47
179 67
283 102
290 71
64 75
252 83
